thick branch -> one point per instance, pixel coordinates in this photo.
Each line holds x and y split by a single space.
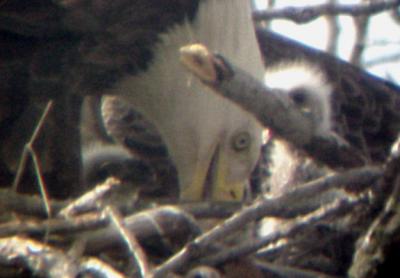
377 244
47 261
360 178
272 109
289 229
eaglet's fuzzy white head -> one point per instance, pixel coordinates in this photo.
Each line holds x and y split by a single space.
308 90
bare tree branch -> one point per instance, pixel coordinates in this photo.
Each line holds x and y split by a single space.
48 261
361 23
96 266
382 60
286 230
334 30
383 233
288 271
363 177
131 241
307 14
89 201
39 257
30 151
27 205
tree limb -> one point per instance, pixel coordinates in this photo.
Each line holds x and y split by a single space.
306 14
273 110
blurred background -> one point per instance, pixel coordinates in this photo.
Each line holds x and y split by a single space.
371 41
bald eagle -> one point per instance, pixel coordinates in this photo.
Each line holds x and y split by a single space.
58 49
318 107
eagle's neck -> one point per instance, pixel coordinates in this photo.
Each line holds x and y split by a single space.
223 26
192 120
227 27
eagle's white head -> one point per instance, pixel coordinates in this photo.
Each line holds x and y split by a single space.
213 143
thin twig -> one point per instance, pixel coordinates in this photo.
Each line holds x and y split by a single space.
89 221
361 25
383 233
333 31
167 225
94 265
29 150
133 244
42 186
32 205
89 200
28 205
289 271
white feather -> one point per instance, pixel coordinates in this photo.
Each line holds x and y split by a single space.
301 74
192 120
289 167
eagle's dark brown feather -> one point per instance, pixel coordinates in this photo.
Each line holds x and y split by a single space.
62 50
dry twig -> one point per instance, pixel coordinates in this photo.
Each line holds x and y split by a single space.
48 261
89 200
39 257
29 150
286 230
383 233
356 178
131 241
307 14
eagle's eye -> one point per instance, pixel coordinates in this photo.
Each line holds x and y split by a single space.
299 96
241 141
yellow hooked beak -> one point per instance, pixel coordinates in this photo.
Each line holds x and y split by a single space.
210 181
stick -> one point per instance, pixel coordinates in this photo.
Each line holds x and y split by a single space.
131 241
29 150
363 178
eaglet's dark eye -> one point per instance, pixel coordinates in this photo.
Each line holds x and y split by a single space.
299 96
241 141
